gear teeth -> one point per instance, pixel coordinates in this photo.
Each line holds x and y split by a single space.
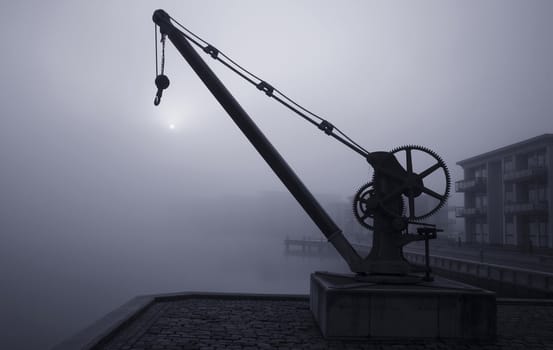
356 200
446 172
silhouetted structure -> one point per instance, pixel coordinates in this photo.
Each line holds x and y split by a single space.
508 194
383 279
379 205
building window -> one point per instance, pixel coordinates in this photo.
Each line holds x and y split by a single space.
534 228
510 239
542 194
508 164
509 193
480 171
541 158
537 229
543 234
536 159
509 230
481 201
532 161
537 193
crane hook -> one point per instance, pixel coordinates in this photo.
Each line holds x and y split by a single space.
162 83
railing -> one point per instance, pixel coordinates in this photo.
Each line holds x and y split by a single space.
308 246
478 183
514 208
524 173
461 212
504 274
538 280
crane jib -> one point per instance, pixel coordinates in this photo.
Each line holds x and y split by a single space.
260 142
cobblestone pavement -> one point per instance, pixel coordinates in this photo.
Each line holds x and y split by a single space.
288 324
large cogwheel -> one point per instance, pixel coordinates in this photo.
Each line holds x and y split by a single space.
413 185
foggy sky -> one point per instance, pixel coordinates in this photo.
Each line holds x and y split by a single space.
78 87
87 160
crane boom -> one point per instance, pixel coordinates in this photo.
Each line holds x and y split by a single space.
284 172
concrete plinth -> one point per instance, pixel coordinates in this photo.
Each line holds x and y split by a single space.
345 308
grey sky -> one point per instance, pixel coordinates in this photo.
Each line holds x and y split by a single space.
94 183
460 78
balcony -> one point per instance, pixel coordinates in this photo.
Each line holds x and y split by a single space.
525 174
473 185
531 207
463 212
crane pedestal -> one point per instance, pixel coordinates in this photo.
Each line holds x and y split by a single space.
345 308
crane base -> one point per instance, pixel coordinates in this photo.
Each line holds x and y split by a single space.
343 307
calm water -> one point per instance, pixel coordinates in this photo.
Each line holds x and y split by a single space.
55 283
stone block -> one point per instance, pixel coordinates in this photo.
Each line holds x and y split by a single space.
345 308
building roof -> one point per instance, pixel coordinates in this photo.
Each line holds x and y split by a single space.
506 149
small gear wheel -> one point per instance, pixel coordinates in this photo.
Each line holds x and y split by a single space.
365 203
413 185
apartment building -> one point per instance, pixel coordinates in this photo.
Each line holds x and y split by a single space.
509 195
